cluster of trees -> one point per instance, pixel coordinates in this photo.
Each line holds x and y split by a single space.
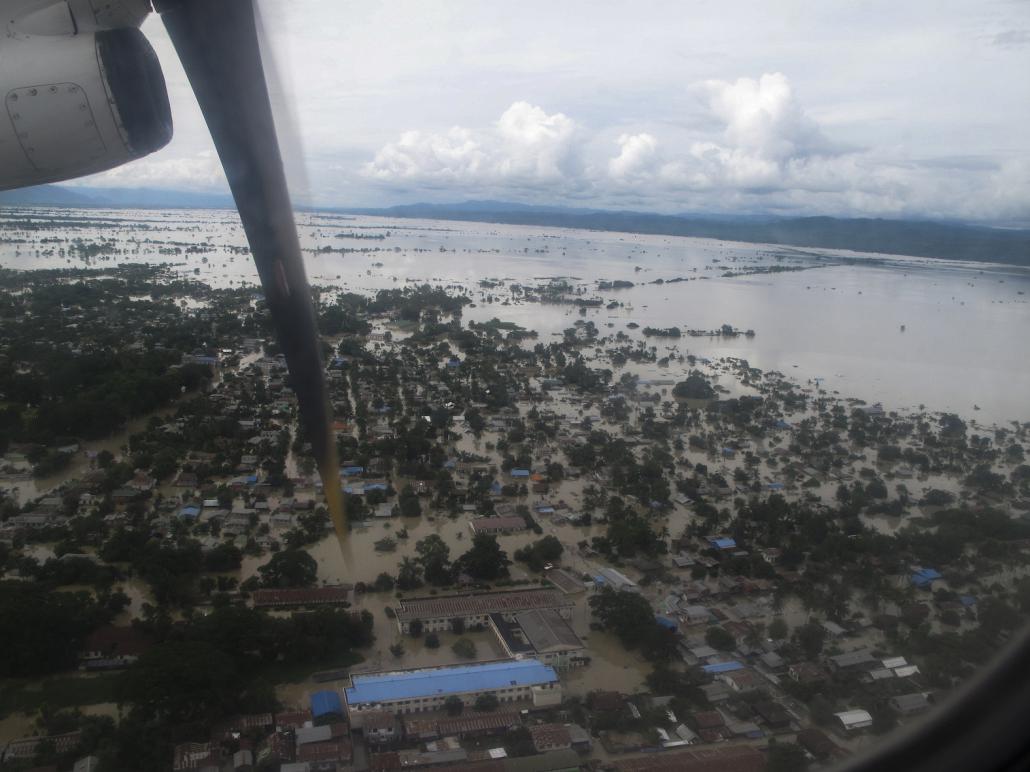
695 386
485 560
44 629
631 619
540 552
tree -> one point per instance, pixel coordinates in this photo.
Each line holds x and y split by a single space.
485 560
696 386
397 649
181 682
464 648
778 629
289 568
432 641
487 702
811 637
43 630
408 503
453 705
786 757
415 628
457 625
434 557
719 638
409 574
540 552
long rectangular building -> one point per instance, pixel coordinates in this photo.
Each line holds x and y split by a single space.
302 596
419 691
498 524
436 612
543 634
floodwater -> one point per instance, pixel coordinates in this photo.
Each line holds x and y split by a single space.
835 315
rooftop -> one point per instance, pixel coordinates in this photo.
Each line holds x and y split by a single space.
734 758
545 629
481 603
384 687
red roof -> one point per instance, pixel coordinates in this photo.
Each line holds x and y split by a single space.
709 719
301 596
114 641
735 758
338 750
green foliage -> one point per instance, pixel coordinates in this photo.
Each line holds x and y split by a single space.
487 702
434 558
223 557
786 757
182 682
464 648
289 568
485 559
720 639
542 551
43 631
630 617
810 637
696 386
409 574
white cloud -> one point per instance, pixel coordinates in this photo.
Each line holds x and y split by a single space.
638 155
751 147
202 171
524 146
763 118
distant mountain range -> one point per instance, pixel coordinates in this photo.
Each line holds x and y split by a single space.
917 238
116 198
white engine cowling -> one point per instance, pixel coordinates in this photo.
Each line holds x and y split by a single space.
76 102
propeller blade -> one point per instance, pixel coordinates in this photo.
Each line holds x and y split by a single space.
218 45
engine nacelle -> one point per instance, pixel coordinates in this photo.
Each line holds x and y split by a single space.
79 103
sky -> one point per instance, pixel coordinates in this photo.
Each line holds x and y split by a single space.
883 108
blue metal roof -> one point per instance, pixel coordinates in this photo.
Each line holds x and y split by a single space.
352 470
925 576
723 667
723 543
520 473
449 680
326 702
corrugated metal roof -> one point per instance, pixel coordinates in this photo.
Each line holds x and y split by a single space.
723 667
450 680
325 702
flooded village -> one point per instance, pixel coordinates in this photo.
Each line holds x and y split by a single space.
590 543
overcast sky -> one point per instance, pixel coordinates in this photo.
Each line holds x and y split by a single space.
879 107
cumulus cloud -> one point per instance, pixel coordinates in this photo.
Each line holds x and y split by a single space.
638 154
766 140
760 151
202 170
526 145
763 117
